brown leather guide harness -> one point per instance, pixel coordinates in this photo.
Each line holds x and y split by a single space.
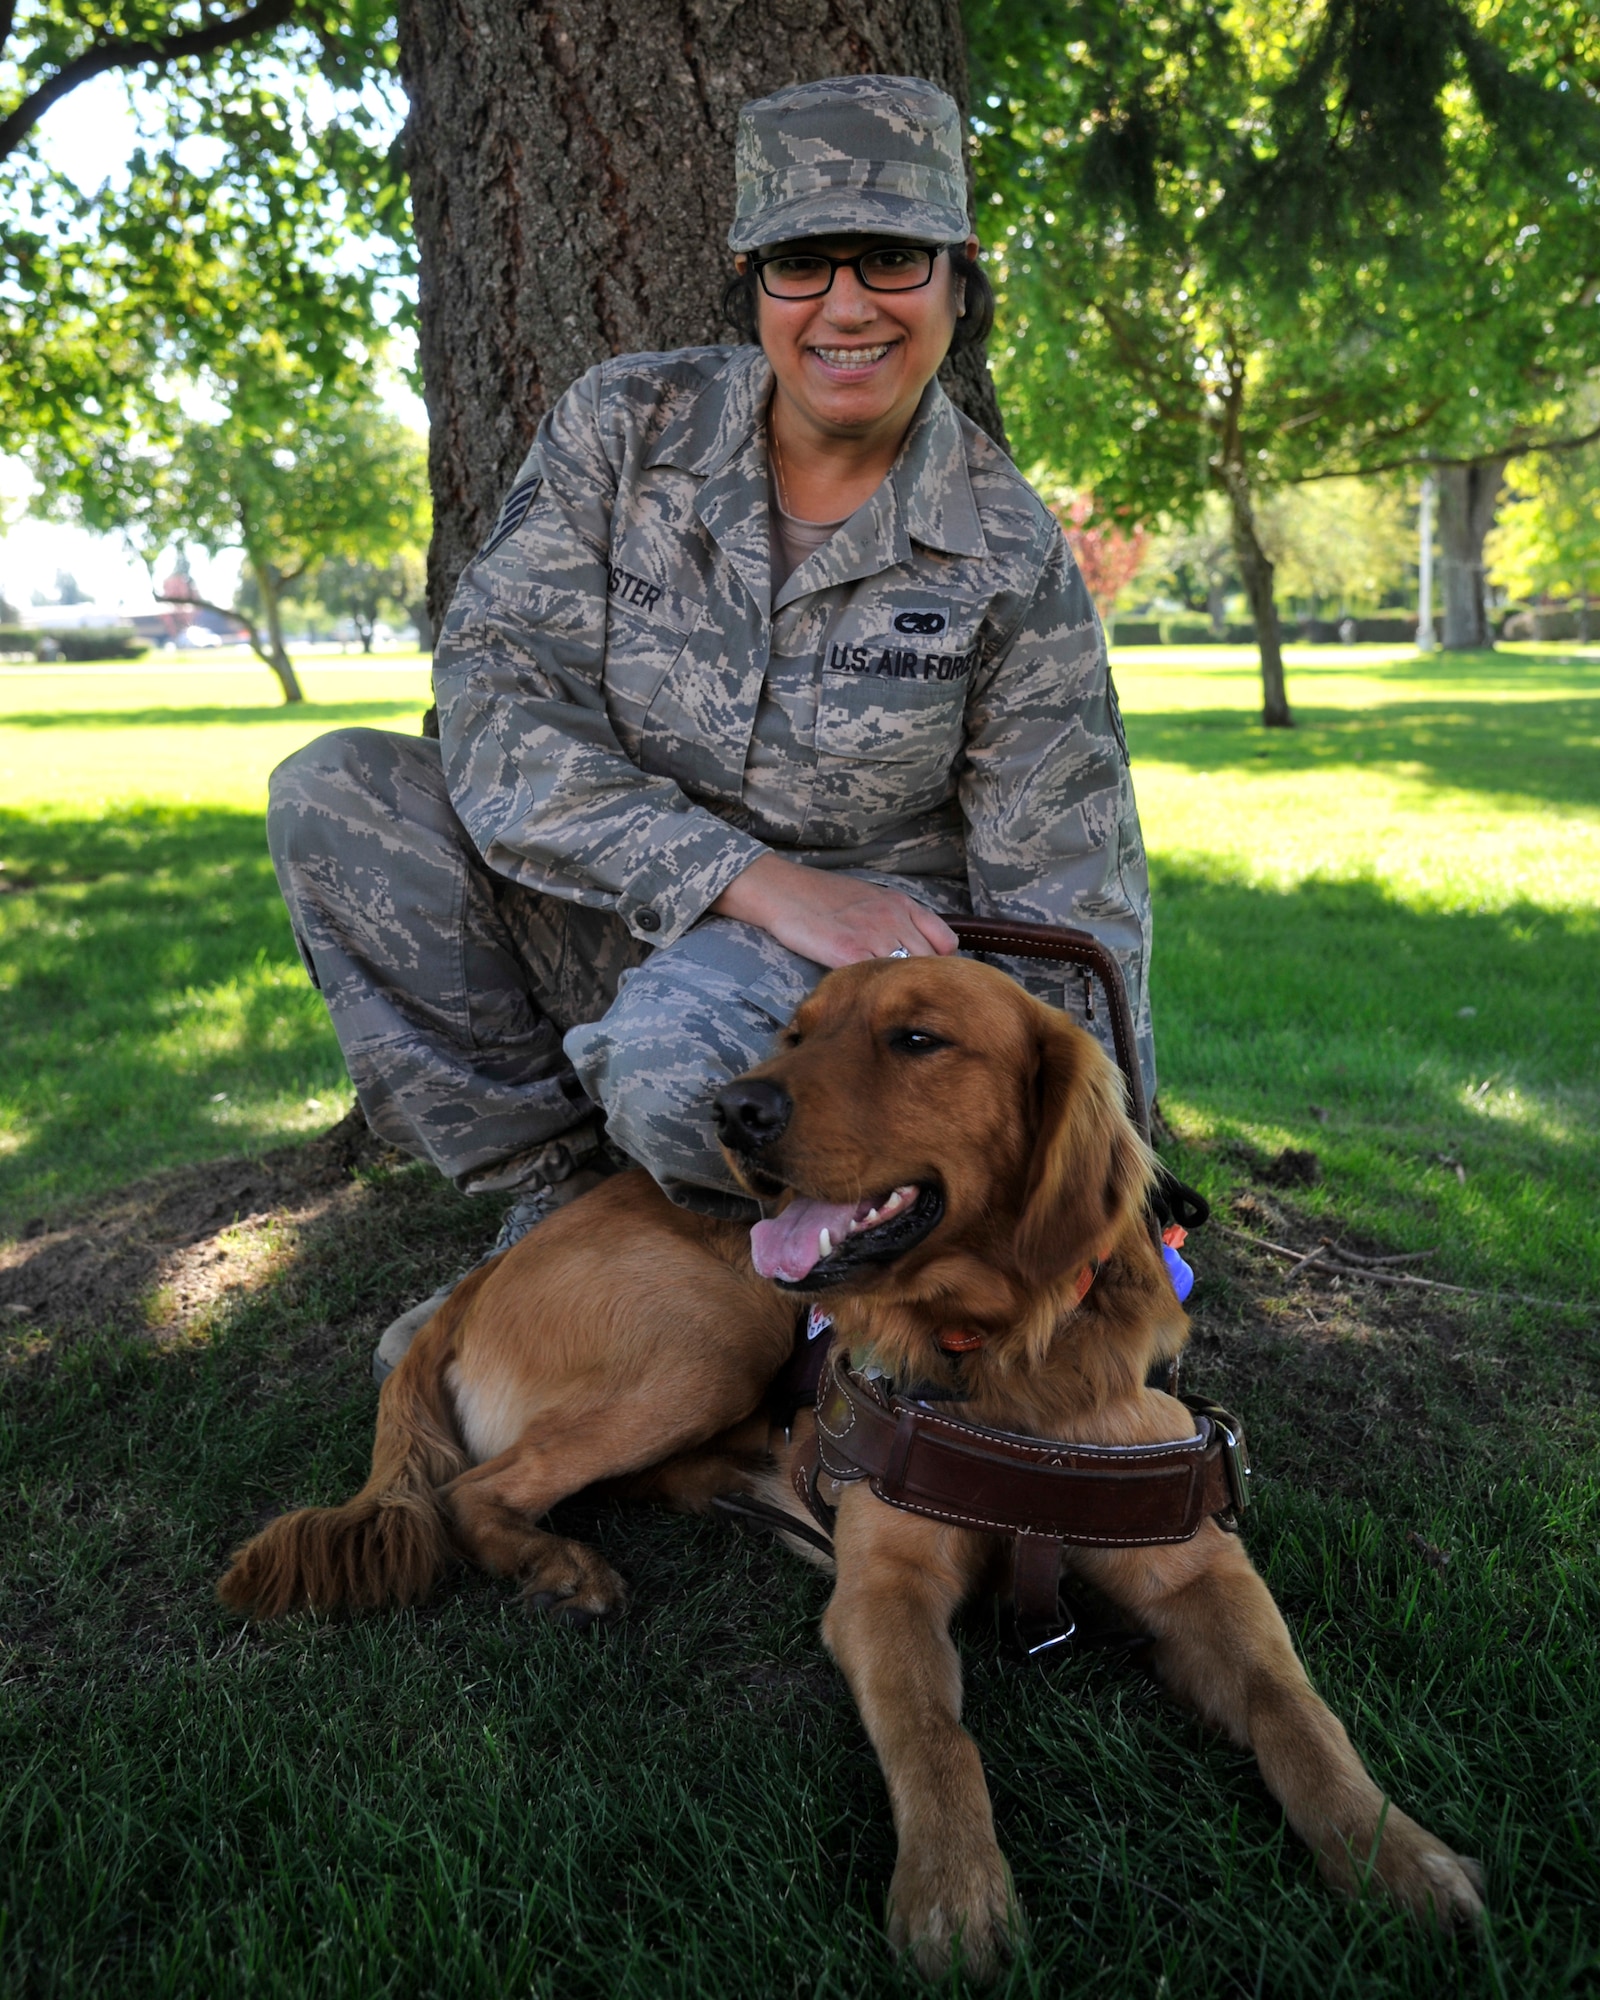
1046 1495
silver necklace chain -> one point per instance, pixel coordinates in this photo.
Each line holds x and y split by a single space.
777 467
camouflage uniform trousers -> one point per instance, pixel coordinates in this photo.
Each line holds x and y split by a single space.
482 1021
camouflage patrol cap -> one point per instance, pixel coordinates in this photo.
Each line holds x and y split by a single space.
849 155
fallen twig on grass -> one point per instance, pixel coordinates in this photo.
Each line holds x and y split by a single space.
1351 1264
1430 1553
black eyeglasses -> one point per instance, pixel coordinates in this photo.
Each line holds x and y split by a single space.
808 274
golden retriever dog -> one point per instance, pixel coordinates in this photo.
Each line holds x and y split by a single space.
944 1154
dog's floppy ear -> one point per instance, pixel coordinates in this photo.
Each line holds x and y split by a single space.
1089 1166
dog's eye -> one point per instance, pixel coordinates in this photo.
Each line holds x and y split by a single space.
915 1041
791 1038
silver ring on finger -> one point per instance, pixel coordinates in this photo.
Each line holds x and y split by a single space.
899 952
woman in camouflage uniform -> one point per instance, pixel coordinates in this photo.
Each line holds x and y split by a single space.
770 657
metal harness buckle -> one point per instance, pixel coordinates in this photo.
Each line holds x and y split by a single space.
1235 1454
1033 1644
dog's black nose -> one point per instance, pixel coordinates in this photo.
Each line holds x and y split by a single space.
751 1113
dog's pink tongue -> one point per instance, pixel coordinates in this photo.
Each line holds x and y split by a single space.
790 1245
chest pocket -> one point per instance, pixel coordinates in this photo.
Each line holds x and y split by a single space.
891 707
648 624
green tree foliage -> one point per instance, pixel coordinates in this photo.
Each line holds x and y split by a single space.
48 48
1547 542
1244 248
1340 545
186 271
188 353
1336 546
279 466
266 175
367 591
1193 560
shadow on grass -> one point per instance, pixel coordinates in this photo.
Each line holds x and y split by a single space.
466 1800
1544 750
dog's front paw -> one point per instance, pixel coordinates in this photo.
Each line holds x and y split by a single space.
1421 1874
948 1902
573 1584
1425 1877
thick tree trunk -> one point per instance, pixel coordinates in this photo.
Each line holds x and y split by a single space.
572 184
1256 570
1468 496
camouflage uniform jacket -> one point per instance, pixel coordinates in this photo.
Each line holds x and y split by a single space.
629 714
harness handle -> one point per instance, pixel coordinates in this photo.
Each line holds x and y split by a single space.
1171 1200
1066 946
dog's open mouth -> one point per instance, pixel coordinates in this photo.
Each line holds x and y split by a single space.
814 1244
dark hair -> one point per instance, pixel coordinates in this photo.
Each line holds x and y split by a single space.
972 328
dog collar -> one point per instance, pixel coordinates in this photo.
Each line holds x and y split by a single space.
958 1341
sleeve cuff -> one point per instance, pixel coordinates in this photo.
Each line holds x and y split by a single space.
686 873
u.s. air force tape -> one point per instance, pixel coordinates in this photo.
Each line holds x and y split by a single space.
512 515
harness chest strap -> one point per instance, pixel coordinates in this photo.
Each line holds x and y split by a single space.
1044 1493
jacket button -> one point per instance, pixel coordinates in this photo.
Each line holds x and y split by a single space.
647 920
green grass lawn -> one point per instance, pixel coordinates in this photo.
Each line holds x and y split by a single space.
1378 937
151 1003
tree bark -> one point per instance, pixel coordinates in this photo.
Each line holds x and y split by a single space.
274 652
1256 571
572 185
1230 468
1468 496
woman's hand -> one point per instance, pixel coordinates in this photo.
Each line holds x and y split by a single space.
834 919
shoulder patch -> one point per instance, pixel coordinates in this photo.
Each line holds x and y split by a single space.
512 515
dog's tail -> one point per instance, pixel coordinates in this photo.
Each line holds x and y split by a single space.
389 1544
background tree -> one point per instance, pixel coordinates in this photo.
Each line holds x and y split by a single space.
1547 541
281 467
1341 545
1255 248
290 478
1108 554
572 187
369 588
1193 560
49 49
184 49
202 355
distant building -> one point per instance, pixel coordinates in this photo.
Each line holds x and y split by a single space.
161 622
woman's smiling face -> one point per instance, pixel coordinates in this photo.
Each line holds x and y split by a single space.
855 362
